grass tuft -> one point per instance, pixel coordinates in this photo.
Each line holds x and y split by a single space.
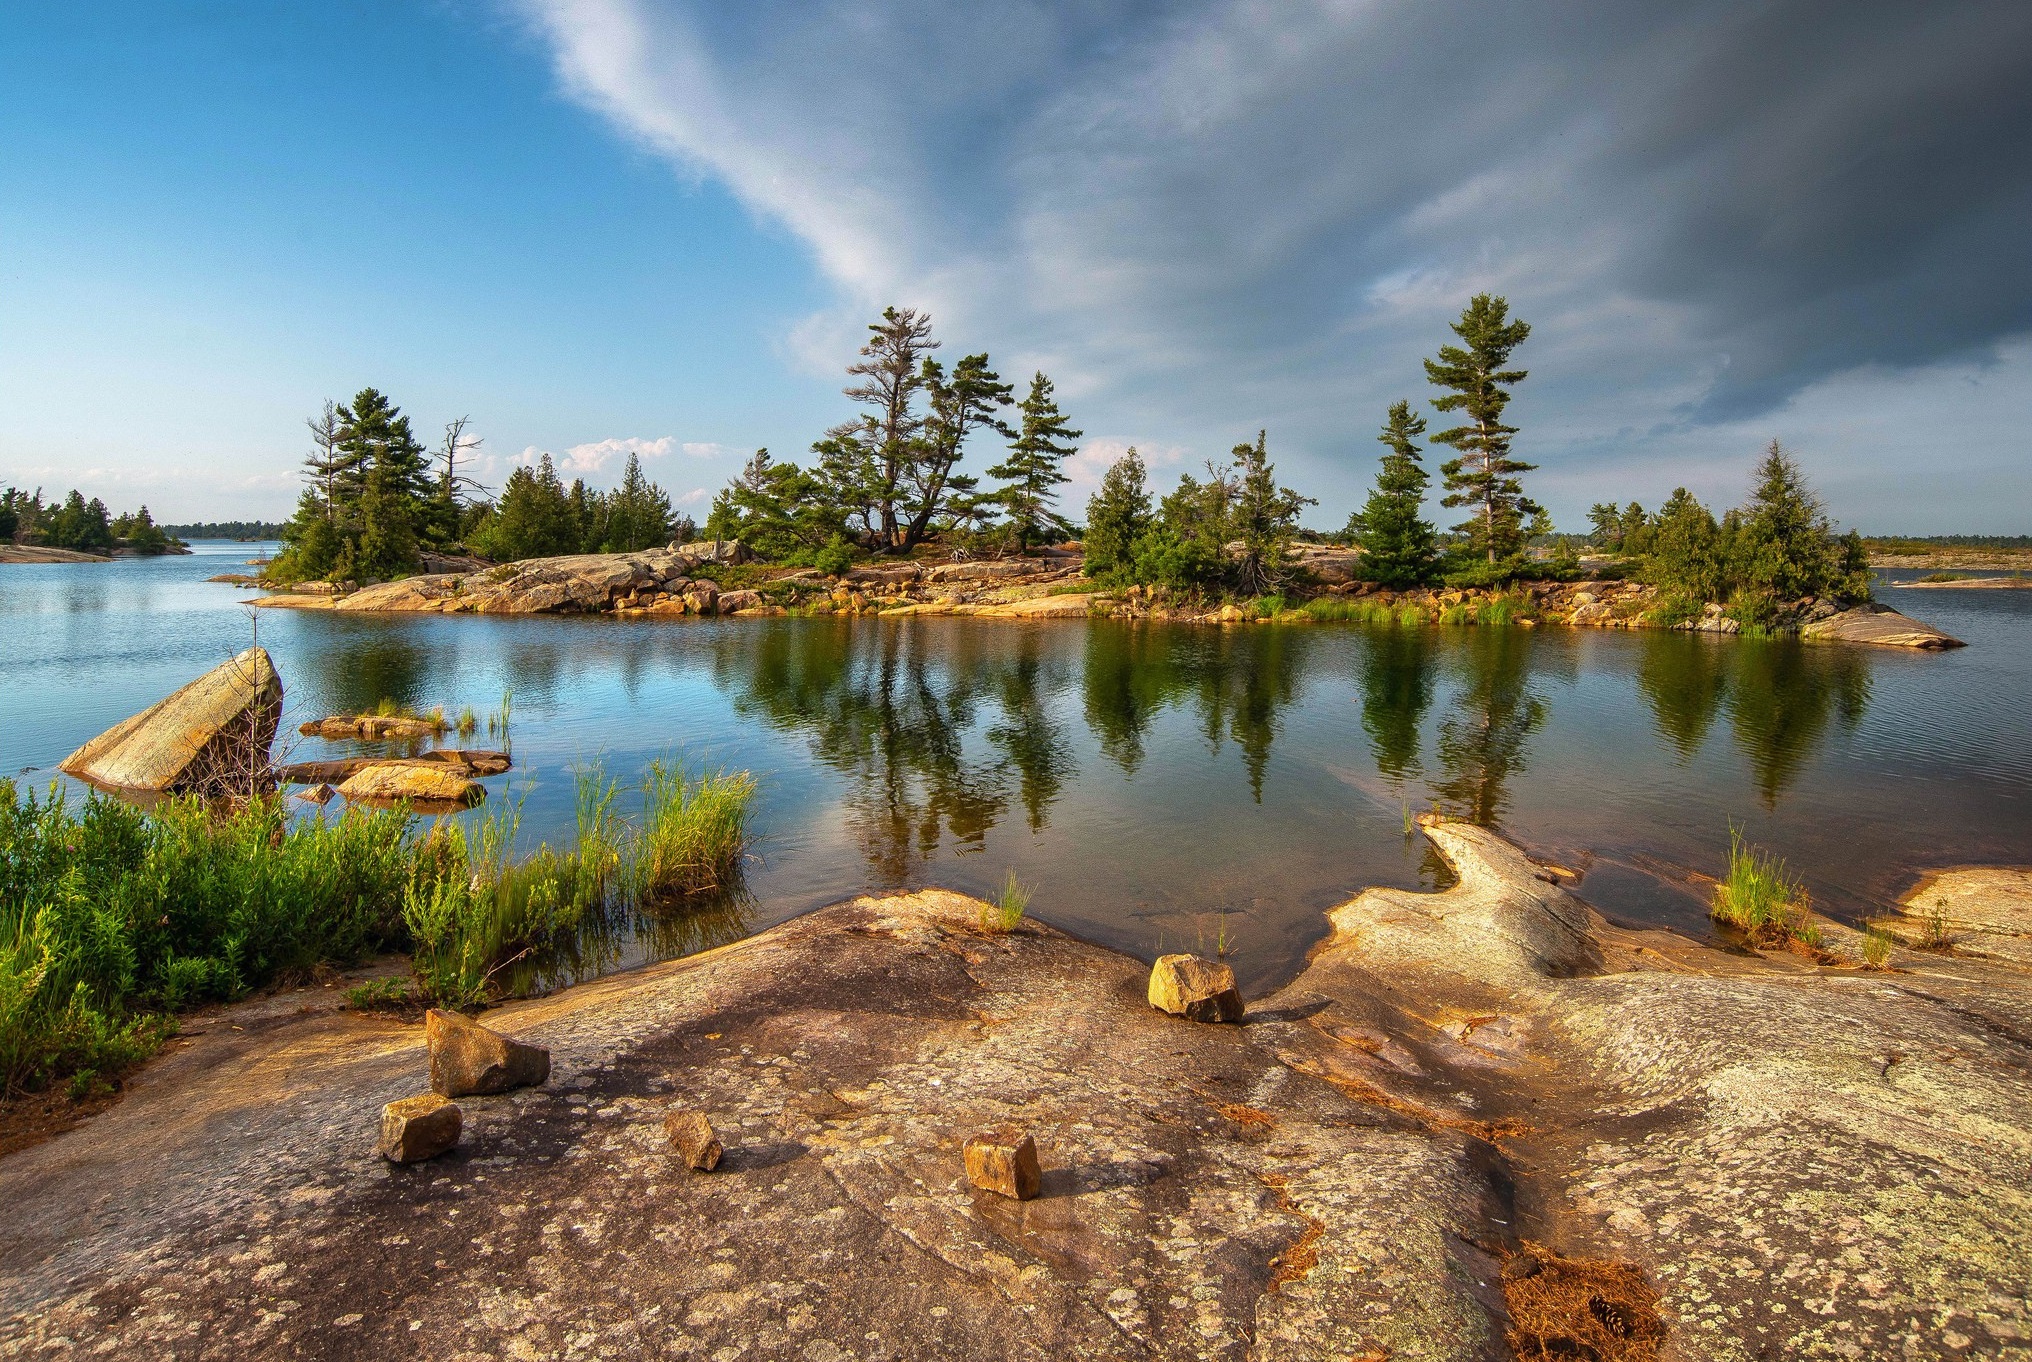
1006 912
1761 899
694 833
1877 945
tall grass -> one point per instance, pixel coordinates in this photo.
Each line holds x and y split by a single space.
693 834
1005 914
1763 900
111 918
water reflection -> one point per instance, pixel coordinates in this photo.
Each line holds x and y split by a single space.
892 710
1484 739
1684 677
1399 669
1784 697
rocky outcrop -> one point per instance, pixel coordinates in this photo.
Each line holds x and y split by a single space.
373 727
1880 625
1482 1123
36 553
1976 910
463 761
428 784
210 738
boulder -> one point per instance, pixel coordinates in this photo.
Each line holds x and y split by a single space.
466 1058
728 551
692 1139
319 793
1196 989
731 601
1004 1160
210 738
1879 625
417 782
418 1128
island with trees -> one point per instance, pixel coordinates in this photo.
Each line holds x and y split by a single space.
75 530
886 516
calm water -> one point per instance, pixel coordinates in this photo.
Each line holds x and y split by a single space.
1157 786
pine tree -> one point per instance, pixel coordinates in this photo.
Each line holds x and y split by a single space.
1034 467
638 512
1397 543
873 456
1262 516
333 471
1117 516
972 398
1484 477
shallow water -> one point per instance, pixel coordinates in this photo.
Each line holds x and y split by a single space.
1159 787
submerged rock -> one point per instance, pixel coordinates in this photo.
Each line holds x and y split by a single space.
467 1058
418 1128
209 738
1004 1161
1198 990
389 782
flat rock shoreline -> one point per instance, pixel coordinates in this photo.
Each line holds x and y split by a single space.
695 579
1466 1098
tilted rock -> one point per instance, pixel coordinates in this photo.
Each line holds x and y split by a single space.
1196 989
417 782
1004 1160
418 1128
319 793
1881 625
468 1059
692 1139
209 738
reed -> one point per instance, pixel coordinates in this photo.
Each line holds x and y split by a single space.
694 833
1761 899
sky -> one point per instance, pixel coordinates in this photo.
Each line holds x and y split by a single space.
597 226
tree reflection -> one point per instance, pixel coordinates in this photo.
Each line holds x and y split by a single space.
1685 677
1129 674
1782 699
1483 741
892 708
1398 672
1240 678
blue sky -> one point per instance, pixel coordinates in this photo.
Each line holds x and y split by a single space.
596 225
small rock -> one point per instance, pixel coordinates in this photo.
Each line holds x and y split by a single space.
418 1128
319 793
692 1139
1198 990
467 1058
1004 1160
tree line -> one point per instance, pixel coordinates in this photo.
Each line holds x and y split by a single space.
376 499
75 523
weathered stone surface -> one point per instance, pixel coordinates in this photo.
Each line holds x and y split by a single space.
371 727
1974 910
209 738
418 782
692 1139
1804 1161
1004 1160
467 1058
729 602
1198 990
417 1128
1881 625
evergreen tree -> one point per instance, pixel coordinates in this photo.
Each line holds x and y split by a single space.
872 457
971 399
333 471
533 519
1687 550
1484 476
1788 548
1263 517
1117 517
779 511
1397 543
80 525
1605 526
638 512
1034 467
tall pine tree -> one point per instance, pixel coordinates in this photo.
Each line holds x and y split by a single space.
1484 477
1397 542
1034 467
1117 516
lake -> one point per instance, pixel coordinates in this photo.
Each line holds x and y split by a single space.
1159 787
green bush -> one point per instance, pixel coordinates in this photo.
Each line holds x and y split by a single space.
111 917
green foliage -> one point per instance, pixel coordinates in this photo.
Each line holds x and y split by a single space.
378 993
1397 542
781 513
1034 466
1761 899
637 513
1262 516
110 916
1877 944
1005 914
1778 548
1117 517
693 834
366 506
1484 476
